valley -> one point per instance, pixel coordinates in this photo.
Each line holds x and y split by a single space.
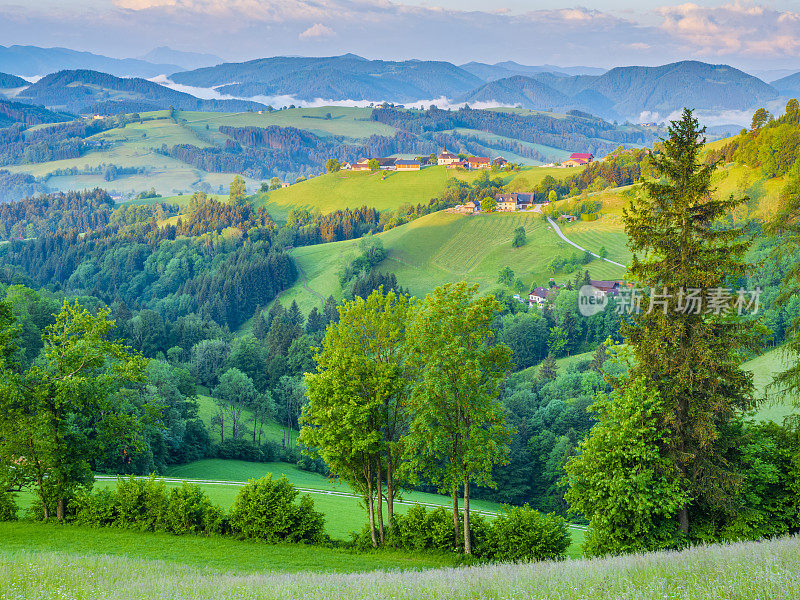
329 326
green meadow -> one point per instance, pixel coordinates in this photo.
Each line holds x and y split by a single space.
445 247
48 561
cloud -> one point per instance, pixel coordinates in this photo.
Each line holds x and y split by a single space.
736 28
317 31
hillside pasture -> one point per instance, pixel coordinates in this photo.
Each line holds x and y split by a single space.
354 123
445 247
134 146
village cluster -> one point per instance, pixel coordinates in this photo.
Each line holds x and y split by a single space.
510 202
451 161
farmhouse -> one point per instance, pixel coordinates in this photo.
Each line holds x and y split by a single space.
446 158
471 207
479 162
384 164
500 162
609 288
578 159
407 165
514 201
458 164
538 297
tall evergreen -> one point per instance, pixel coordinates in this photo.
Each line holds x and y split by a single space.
549 368
691 360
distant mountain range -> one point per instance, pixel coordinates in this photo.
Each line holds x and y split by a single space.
92 92
503 70
347 77
186 60
622 93
628 92
33 61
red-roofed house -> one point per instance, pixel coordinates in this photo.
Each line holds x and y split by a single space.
578 159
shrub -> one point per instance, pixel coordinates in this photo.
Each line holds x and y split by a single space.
8 507
141 503
525 534
98 509
239 450
188 510
438 530
264 509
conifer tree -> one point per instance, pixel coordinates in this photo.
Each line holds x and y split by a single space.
549 368
691 360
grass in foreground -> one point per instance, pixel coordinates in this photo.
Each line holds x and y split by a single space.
36 561
216 553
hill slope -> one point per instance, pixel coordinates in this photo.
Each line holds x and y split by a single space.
789 85
83 91
18 112
444 247
524 92
11 81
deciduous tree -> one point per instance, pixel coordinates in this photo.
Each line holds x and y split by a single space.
458 432
357 401
60 414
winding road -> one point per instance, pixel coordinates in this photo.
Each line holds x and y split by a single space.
558 231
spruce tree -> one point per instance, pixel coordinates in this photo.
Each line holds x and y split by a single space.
691 360
549 368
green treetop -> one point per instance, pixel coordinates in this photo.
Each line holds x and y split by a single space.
237 190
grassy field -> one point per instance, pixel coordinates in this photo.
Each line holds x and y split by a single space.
764 368
382 190
212 554
445 247
345 121
343 514
134 146
43 561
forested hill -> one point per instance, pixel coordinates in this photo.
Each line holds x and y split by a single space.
26 114
11 81
336 77
525 92
85 91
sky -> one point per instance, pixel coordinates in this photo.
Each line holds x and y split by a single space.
755 36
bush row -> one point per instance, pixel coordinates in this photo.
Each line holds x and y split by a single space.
520 534
8 506
264 509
